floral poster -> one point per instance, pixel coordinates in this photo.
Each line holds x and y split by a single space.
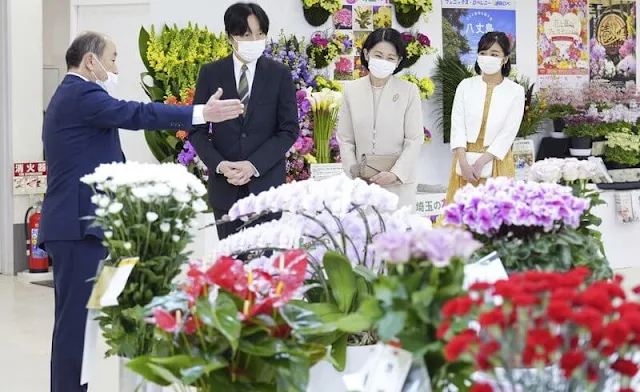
613 40
464 23
562 41
354 21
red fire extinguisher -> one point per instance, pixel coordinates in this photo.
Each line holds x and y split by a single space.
38 258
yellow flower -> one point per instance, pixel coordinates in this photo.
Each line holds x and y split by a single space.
310 159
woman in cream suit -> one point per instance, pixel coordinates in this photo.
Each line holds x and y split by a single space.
487 112
380 129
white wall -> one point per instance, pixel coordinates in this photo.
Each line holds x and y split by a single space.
56 25
122 19
26 78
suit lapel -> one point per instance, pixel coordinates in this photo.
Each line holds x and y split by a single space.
258 87
228 80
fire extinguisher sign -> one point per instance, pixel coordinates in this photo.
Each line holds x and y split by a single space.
29 178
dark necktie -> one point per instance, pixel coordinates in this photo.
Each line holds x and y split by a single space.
243 87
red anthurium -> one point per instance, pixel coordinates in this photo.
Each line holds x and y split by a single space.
167 321
291 266
229 274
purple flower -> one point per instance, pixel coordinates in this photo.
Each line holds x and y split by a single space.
187 155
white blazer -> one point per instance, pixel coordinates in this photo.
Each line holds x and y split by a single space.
503 122
399 130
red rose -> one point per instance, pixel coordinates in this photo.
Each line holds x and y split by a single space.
617 332
457 307
492 317
459 344
574 278
485 353
597 298
524 300
563 294
559 311
481 387
507 288
443 329
625 367
588 318
613 289
570 361
542 338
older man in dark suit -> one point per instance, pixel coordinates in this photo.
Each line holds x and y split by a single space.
80 133
246 155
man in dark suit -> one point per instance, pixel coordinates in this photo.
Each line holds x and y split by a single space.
80 133
246 155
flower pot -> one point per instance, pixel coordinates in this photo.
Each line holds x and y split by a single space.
616 166
580 152
407 19
129 381
581 143
324 377
316 15
411 60
597 148
559 124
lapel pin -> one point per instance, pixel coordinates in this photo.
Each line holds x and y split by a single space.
395 97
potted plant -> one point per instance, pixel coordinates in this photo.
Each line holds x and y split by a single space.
558 113
450 71
424 270
146 212
532 226
418 45
551 332
336 229
425 85
235 327
409 11
622 150
535 112
582 129
317 12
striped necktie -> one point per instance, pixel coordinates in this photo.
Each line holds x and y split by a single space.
243 87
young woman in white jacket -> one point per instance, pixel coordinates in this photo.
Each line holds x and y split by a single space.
486 115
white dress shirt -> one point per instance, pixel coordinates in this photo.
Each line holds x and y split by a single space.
198 110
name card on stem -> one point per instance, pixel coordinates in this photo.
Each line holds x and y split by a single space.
321 171
489 269
118 282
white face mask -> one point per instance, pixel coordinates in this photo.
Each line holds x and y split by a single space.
489 64
381 69
112 79
250 51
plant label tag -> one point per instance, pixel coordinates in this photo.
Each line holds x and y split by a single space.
100 286
489 269
118 282
390 372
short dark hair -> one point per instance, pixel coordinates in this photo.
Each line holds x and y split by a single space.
391 36
487 41
235 18
87 42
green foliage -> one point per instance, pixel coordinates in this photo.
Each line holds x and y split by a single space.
557 111
589 130
406 305
623 148
449 73
558 251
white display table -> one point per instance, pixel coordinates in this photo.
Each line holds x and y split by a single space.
621 240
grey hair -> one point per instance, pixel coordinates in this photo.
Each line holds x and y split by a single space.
87 42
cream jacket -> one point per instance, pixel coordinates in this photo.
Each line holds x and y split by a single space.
505 115
399 130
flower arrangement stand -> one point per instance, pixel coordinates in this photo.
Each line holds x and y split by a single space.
324 377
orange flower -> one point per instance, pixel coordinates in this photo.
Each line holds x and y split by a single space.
171 100
181 135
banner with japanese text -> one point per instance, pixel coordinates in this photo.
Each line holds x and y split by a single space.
563 51
612 24
464 22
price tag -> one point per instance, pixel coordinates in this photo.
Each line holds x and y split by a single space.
489 269
118 282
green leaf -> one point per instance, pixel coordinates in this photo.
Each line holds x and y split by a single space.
142 366
339 352
263 346
224 317
194 373
143 44
341 279
365 272
353 323
295 376
304 320
391 325
371 309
